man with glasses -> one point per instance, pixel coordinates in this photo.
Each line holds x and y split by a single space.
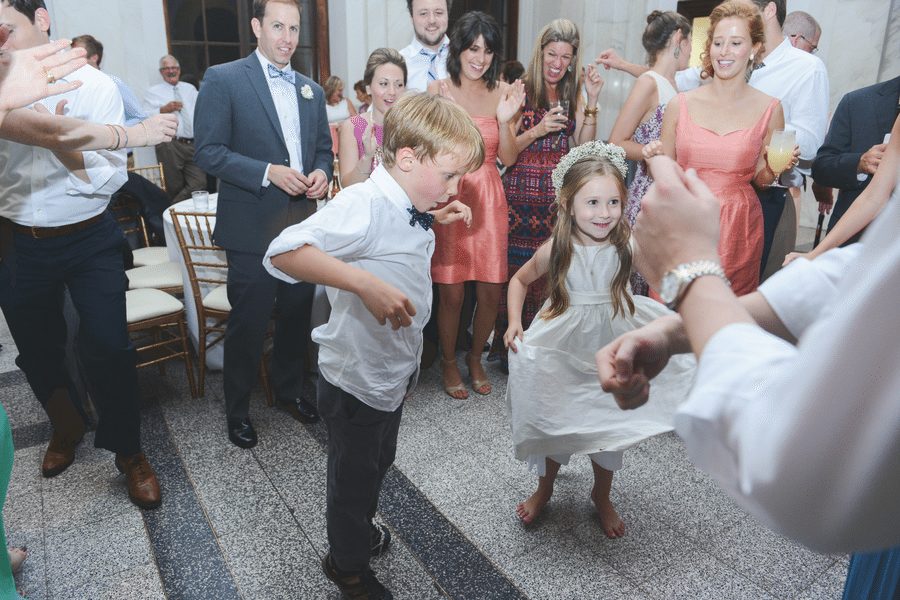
803 31
183 176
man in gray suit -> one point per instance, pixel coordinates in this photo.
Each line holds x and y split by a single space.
855 144
261 128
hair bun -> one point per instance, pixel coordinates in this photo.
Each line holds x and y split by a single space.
654 16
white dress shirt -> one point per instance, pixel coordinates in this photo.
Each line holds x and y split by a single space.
162 93
417 64
285 100
38 190
800 81
368 226
807 437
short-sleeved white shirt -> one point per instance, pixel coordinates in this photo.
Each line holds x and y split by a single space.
367 225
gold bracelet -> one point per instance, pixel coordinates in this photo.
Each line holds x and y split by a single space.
591 123
591 112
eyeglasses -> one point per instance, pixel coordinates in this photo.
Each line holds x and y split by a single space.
812 47
162 69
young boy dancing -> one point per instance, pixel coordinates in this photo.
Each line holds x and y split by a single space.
372 247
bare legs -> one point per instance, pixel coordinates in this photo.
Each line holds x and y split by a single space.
529 510
449 307
612 524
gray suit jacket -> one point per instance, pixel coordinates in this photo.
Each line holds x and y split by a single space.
861 119
237 134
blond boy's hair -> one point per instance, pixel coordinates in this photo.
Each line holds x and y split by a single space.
431 125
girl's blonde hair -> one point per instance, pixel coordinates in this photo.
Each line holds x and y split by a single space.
561 249
557 30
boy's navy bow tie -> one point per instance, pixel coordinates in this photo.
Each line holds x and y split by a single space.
422 218
286 75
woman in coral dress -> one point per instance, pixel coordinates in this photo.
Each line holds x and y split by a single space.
478 253
721 130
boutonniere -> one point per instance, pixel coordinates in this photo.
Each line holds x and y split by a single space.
306 92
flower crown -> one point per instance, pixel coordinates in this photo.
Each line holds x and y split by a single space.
611 152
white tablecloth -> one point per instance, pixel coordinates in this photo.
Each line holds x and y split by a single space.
215 355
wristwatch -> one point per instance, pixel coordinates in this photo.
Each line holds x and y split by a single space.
676 282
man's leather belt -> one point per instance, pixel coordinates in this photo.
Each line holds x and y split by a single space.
50 232
185 140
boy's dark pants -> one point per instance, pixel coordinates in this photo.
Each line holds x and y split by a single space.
362 442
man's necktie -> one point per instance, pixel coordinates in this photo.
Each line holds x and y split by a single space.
422 218
432 67
286 75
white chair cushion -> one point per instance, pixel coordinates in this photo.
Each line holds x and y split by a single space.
217 299
148 304
154 255
164 275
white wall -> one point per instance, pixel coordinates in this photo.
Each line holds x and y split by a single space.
133 35
356 27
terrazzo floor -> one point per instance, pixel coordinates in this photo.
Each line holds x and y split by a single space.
250 523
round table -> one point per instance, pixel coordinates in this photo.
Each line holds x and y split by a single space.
215 355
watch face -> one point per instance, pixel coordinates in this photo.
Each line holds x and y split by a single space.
668 289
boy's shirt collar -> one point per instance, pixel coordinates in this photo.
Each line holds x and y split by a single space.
392 190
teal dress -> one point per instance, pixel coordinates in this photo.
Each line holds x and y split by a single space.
7 585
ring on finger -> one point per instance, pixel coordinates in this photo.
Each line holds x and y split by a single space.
50 78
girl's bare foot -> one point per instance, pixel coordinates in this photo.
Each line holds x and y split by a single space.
17 556
531 509
613 525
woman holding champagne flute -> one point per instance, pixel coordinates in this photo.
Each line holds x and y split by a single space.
723 131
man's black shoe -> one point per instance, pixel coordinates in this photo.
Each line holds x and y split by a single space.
300 409
241 433
356 586
380 539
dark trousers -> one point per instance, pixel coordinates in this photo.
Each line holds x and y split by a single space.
153 202
362 442
183 176
253 293
772 200
89 264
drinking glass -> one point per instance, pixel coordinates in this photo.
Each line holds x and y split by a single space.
781 152
201 200
562 116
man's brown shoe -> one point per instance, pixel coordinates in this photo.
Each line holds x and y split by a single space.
59 455
143 487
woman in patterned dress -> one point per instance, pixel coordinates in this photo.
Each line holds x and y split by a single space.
667 40
544 134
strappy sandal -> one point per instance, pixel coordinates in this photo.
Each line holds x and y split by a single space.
453 390
478 385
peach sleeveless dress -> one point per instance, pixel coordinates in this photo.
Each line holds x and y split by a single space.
727 164
477 253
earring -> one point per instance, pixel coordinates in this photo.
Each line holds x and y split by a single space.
752 56
677 51
569 68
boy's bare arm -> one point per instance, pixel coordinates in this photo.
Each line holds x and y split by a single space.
384 301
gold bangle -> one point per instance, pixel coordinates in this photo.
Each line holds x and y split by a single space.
592 123
591 112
